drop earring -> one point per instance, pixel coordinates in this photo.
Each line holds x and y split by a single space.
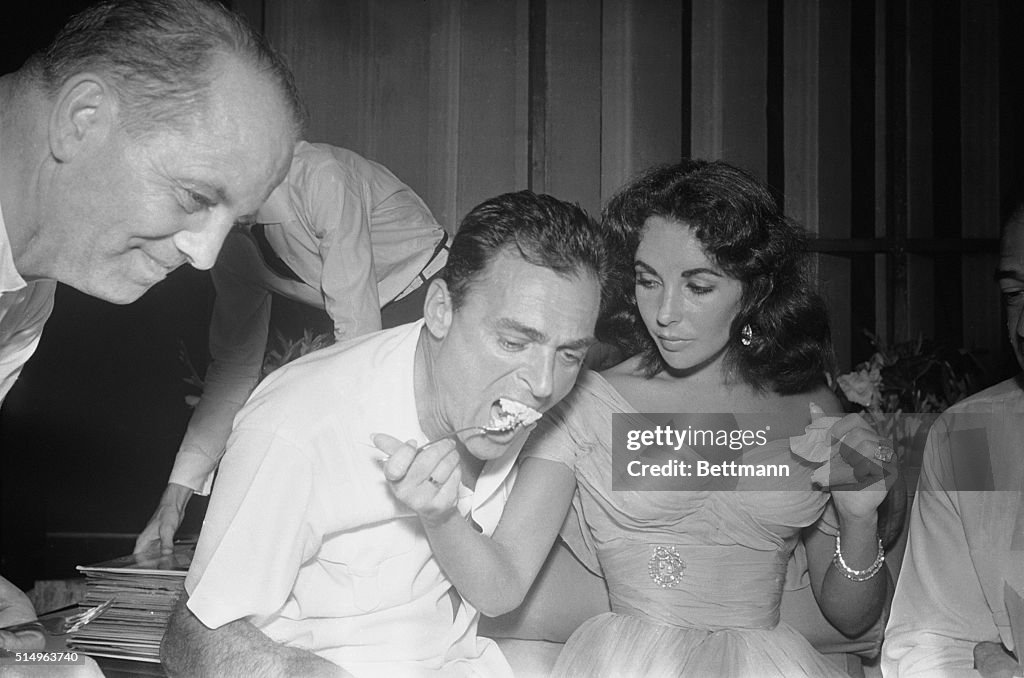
746 335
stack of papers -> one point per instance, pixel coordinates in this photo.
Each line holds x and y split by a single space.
145 589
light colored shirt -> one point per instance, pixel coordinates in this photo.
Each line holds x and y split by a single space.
24 308
966 539
356 235
304 538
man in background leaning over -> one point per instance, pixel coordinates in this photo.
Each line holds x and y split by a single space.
128 147
342 236
951 614
307 563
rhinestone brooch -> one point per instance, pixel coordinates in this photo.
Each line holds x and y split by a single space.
665 566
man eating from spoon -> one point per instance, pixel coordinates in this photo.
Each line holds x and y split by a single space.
309 563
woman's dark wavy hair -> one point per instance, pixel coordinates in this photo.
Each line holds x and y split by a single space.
740 225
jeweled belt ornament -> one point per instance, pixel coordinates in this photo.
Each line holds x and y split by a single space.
666 566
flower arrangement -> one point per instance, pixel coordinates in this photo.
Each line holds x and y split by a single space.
900 389
917 376
910 377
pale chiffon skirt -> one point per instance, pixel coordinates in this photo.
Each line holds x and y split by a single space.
622 646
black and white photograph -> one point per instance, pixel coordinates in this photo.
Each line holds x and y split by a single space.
512 338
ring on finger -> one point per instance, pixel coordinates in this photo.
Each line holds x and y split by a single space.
884 453
434 481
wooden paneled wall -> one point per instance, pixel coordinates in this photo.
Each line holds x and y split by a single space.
465 100
882 122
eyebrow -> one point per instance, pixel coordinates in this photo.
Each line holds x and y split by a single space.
539 337
688 273
217 190
639 263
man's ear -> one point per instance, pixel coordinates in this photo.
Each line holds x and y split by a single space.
437 308
84 112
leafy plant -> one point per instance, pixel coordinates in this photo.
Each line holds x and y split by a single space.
286 349
282 351
917 376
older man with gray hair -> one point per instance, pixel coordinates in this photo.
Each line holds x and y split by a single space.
129 147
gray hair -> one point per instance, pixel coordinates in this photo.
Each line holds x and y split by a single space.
158 56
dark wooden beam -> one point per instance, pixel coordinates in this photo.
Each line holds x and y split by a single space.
900 246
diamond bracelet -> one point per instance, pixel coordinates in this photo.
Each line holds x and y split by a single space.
858 575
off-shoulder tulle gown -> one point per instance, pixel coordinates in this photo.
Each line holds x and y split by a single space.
695 577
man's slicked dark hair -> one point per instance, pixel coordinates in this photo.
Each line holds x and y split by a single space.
543 230
158 56
741 227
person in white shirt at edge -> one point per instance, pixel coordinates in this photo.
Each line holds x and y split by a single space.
966 540
129 147
342 234
307 564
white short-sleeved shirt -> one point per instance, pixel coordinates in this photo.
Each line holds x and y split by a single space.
24 309
966 539
304 538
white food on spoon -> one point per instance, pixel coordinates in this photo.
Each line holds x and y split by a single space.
510 415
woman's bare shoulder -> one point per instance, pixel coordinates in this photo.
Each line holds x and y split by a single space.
625 376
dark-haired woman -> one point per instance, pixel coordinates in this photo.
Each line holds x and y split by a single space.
720 319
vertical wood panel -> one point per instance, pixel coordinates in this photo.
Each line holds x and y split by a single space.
919 298
981 199
775 96
537 91
834 286
1011 103
979 113
984 328
729 94
617 95
658 100
896 161
443 110
817 103
933 168
642 95
329 46
801 38
521 134
572 126
398 89
834 179
488 102
864 210
919 186
706 97
432 90
883 328
834 119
